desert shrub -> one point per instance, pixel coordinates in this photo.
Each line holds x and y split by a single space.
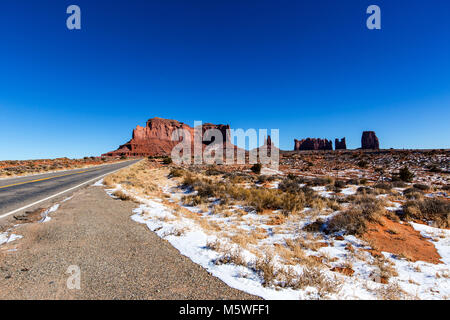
429 209
398 184
288 185
189 180
363 181
383 185
353 181
315 226
422 187
405 175
293 203
291 176
266 269
213 172
446 187
434 168
365 190
193 200
122 195
354 220
256 168
123 157
362 164
265 178
321 181
411 190
414 195
167 160
339 184
176 173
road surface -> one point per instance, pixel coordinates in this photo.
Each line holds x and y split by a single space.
22 193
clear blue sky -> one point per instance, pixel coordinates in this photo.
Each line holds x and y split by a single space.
310 68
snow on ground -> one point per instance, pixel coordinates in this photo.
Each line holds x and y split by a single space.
426 280
45 214
99 183
419 280
7 237
321 190
270 171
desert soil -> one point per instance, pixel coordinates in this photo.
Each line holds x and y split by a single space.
118 258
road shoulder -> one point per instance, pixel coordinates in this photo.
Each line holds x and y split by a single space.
118 258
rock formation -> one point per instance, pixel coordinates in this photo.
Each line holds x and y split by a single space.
313 144
340 144
155 139
369 141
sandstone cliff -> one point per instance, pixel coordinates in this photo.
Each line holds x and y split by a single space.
313 144
155 139
340 144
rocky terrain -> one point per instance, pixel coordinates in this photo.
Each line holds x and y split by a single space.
342 225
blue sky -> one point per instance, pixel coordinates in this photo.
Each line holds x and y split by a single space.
309 68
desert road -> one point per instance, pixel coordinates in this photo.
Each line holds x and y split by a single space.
17 194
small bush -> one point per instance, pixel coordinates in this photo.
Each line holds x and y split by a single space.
422 187
398 184
339 184
354 220
288 185
122 195
353 181
176 173
434 168
315 226
167 160
405 175
256 168
362 164
213 172
321 181
365 190
264 178
429 209
383 185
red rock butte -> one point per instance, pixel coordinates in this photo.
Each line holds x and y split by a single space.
155 139
369 140
313 144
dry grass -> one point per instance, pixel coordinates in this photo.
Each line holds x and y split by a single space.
390 292
364 209
122 195
436 210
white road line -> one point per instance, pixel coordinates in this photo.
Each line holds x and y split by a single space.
58 194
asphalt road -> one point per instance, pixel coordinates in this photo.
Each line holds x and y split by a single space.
18 193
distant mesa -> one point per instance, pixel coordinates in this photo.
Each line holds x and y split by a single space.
313 144
340 144
155 139
369 140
